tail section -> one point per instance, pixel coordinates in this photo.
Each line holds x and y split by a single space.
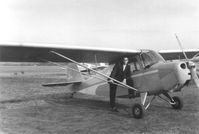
73 76
73 73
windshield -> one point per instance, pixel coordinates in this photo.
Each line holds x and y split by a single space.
150 57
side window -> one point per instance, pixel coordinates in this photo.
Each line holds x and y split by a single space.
135 66
132 66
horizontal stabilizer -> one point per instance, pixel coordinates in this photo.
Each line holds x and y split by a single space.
61 84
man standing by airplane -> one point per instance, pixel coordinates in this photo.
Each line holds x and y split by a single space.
121 72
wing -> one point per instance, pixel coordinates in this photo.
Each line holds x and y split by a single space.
177 54
35 52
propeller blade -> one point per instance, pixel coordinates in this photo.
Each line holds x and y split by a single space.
192 68
180 44
195 77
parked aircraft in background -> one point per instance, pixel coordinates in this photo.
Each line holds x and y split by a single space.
95 66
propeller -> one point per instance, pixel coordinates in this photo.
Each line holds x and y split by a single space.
195 77
190 65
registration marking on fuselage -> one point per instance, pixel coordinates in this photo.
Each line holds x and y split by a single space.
146 73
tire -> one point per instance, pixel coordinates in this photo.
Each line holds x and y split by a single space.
137 111
178 103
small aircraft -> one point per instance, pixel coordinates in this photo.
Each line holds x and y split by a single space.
94 66
150 73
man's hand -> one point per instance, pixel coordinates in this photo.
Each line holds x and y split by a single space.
124 81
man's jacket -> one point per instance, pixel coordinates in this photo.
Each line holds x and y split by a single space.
118 73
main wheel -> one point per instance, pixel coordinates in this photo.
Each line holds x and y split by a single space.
137 111
178 103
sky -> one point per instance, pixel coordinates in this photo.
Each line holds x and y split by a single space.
122 24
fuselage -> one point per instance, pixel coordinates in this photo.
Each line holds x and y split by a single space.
149 73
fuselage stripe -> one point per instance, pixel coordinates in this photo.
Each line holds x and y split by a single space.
142 74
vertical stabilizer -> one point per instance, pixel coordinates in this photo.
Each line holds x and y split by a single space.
73 73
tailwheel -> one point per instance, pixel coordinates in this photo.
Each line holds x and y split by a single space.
178 103
137 111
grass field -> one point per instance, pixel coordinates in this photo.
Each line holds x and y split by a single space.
28 108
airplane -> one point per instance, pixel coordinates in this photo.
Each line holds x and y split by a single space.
94 66
151 75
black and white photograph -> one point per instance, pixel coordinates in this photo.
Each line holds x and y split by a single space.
99 67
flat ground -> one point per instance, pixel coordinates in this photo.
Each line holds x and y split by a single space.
28 108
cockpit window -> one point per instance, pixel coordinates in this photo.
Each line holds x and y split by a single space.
149 58
134 63
144 60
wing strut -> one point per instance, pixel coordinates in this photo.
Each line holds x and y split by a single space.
127 86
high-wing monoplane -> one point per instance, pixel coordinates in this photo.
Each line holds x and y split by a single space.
151 75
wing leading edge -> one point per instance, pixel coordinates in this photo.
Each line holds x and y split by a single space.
177 54
34 53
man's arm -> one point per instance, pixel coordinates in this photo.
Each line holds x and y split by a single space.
114 71
128 73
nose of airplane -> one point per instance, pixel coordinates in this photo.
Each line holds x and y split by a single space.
191 65
183 72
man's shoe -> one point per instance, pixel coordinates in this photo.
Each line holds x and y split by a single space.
114 109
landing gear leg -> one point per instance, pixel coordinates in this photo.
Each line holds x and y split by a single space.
169 97
176 102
